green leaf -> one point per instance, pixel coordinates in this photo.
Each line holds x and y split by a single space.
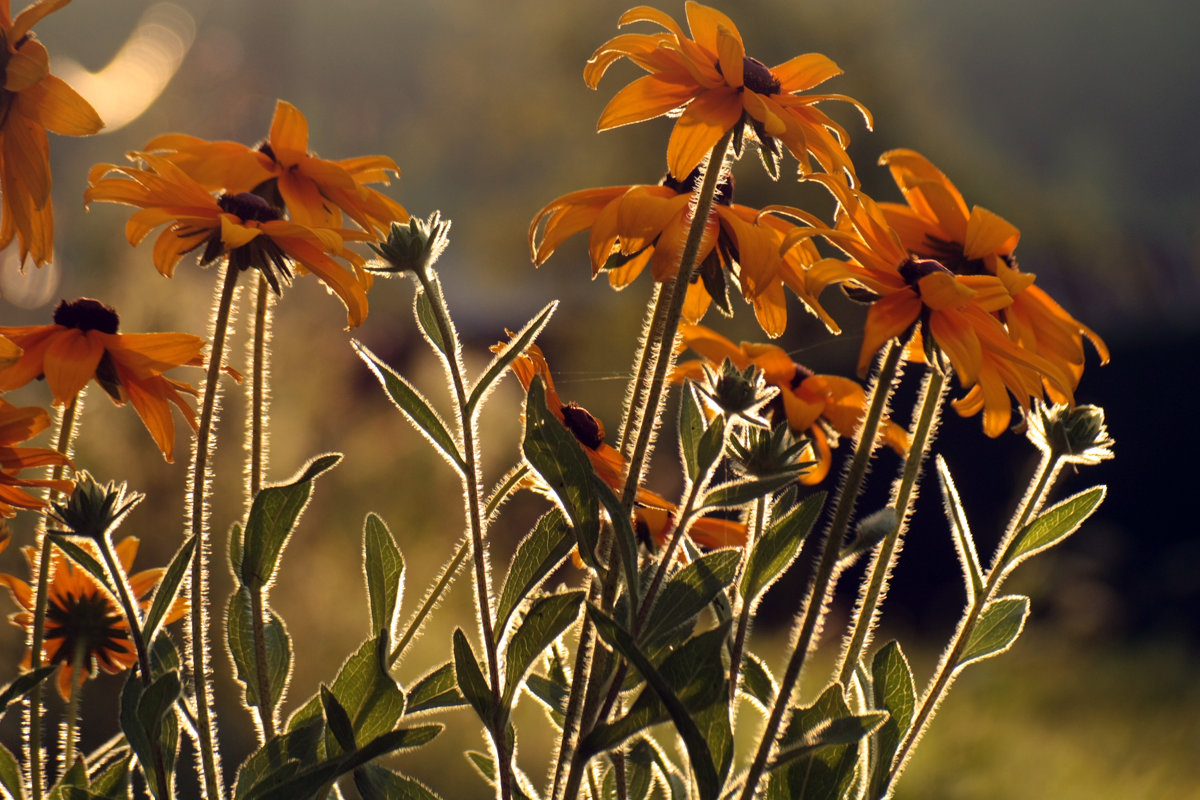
999 625
515 347
83 558
168 588
757 683
414 407
738 493
438 689
537 556
273 516
471 682
964 542
691 429
384 567
832 733
894 692
552 694
484 766
624 537
688 592
146 718
821 774
371 697
558 458
23 684
639 768
545 622
1052 526
708 784
239 630
10 774
113 782
337 721
779 545
427 320
281 757
376 783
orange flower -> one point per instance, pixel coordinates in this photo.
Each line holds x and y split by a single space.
18 425
935 223
32 101
315 191
243 226
718 87
922 299
654 515
813 404
632 226
83 344
80 615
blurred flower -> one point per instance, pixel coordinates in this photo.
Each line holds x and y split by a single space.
632 226
819 406
935 223
32 101
315 191
936 310
82 616
18 425
718 87
243 226
83 344
653 514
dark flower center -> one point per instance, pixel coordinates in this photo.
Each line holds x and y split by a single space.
756 76
802 373
247 206
87 314
724 192
913 270
583 425
88 622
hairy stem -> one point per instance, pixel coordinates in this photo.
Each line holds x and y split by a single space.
822 584
743 619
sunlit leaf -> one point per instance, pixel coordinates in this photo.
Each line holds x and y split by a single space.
146 718
779 546
437 689
273 516
998 626
691 428
537 556
1052 526
471 683
239 630
515 347
893 691
624 539
84 559
688 592
23 684
168 588
823 773
384 567
113 782
964 542
427 321
546 620
756 681
740 492
10 774
376 783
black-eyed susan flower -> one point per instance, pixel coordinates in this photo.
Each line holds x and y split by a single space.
82 617
718 87
313 190
83 344
632 227
815 405
936 223
32 102
243 226
654 516
18 425
924 302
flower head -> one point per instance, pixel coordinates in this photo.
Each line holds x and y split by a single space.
940 312
635 226
81 616
823 407
718 87
18 425
242 226
315 191
936 223
32 101
83 344
654 515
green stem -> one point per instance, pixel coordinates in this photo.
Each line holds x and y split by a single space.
822 584
259 390
743 622
197 511
72 720
656 317
865 617
476 519
66 436
946 670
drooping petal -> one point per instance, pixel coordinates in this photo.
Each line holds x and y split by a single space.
702 124
646 98
71 361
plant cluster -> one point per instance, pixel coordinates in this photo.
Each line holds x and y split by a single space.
646 668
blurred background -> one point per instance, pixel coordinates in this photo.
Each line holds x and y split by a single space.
1074 120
